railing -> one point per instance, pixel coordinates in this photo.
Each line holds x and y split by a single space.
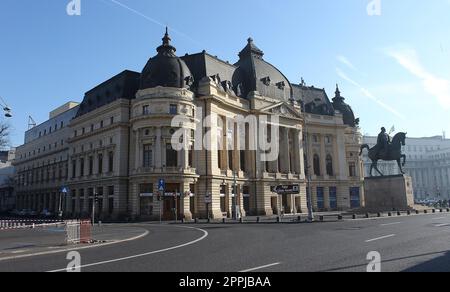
78 231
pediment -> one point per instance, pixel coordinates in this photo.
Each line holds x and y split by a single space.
284 110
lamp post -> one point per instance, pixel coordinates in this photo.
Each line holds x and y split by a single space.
308 176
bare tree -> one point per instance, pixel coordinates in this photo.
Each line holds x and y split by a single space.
4 135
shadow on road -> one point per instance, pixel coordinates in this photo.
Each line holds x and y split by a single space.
440 264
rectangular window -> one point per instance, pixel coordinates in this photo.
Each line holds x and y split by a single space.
100 163
111 161
148 156
82 167
320 198
173 110
333 198
74 168
145 110
352 169
355 198
242 162
101 124
230 160
191 157
111 205
171 156
111 120
145 190
91 165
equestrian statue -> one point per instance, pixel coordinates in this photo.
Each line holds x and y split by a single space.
386 150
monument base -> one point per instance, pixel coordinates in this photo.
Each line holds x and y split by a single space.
387 193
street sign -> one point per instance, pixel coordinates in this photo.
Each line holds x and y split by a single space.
208 199
286 189
64 190
161 185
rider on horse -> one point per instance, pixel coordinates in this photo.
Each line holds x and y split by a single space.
383 142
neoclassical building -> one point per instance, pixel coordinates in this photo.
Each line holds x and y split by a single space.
196 123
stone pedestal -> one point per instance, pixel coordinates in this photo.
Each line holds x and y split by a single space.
387 193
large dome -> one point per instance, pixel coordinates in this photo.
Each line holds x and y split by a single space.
166 69
340 105
261 76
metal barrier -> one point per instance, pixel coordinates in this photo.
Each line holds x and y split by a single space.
78 231
11 224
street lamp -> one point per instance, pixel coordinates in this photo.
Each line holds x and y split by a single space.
6 108
308 176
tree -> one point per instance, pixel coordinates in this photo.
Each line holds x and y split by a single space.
4 135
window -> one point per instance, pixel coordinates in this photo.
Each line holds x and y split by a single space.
82 167
230 160
148 156
171 156
173 110
320 198
74 168
92 128
352 169
329 163
100 163
111 120
91 165
316 163
83 130
111 161
242 162
74 133
333 198
190 157
101 124
145 110
62 125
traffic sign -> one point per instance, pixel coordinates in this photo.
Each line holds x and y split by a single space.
64 190
286 189
161 185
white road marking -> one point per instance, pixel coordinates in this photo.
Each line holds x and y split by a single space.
205 234
260 268
380 238
439 218
442 225
74 248
393 223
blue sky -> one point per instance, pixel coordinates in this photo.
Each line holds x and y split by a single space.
394 69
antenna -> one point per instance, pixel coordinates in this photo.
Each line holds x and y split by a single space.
31 123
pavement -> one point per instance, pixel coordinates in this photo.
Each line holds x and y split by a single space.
406 243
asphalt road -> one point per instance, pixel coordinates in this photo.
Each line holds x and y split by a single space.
416 243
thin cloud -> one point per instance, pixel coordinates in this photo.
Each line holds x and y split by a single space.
434 85
369 95
153 20
344 60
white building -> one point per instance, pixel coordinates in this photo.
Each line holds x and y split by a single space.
427 162
7 199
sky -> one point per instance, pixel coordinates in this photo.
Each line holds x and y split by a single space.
391 61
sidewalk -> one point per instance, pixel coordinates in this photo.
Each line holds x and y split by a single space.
23 242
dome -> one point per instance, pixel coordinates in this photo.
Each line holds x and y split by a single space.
340 105
260 75
166 69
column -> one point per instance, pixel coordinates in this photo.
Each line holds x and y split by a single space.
284 151
186 201
158 148
323 156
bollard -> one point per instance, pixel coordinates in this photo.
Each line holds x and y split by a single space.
417 212
195 220
278 219
399 213
448 210
441 211
378 214
340 217
408 212
321 218
258 219
367 216
425 211
434 211
389 214
353 216
223 220
241 220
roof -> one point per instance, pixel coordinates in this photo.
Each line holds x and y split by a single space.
314 100
122 86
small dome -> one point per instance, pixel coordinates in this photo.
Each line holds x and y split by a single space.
340 105
262 76
166 69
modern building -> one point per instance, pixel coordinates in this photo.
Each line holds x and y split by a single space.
42 162
7 173
188 124
427 162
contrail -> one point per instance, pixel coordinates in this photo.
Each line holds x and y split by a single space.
155 21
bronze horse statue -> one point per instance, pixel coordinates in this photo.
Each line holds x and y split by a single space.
393 153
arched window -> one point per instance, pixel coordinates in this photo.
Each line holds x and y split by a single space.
316 165
329 163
